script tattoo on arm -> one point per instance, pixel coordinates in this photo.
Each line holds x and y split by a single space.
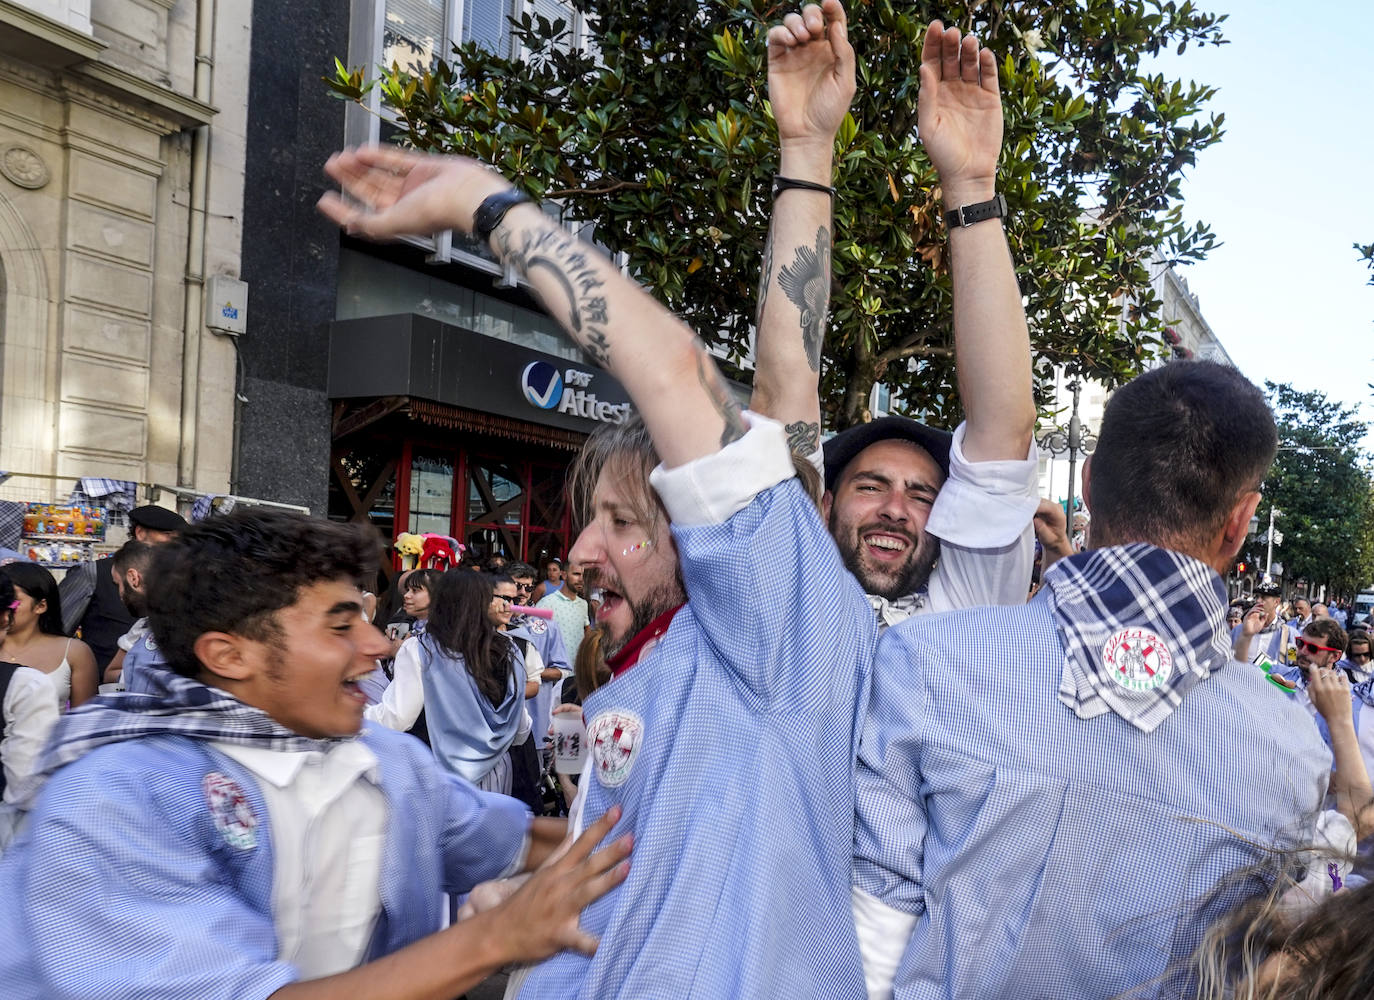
806 283
803 438
765 279
576 301
720 396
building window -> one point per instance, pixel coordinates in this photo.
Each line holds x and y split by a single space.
431 493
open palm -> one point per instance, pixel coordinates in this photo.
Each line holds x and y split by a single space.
959 106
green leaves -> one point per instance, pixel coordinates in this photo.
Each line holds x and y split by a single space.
667 143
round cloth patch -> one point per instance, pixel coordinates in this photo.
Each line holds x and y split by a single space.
1137 659
614 738
537 626
231 811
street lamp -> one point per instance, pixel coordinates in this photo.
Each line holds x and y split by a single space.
1073 441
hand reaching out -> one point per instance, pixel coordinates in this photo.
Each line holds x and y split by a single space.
543 913
811 73
398 192
1052 529
960 113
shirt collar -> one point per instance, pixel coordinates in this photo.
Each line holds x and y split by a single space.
644 640
344 763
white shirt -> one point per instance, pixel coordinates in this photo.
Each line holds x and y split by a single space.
328 822
30 709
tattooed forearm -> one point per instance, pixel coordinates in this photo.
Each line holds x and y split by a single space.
570 293
722 399
765 279
806 283
804 439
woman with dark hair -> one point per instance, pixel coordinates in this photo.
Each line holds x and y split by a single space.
29 713
468 677
35 637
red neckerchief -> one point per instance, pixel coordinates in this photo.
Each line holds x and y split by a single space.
634 649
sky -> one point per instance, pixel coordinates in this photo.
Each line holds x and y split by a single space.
1288 190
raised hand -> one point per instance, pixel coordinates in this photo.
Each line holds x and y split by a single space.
1330 693
960 113
398 192
811 73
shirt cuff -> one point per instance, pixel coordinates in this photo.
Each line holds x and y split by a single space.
884 933
715 487
985 505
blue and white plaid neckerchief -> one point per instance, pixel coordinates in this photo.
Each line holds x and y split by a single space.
1140 626
1365 692
175 706
891 613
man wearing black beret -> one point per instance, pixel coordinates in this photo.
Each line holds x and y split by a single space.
90 598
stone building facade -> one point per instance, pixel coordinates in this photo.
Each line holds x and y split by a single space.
122 127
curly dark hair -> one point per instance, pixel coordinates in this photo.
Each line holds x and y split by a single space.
234 573
458 623
40 585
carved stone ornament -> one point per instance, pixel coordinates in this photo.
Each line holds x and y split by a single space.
24 167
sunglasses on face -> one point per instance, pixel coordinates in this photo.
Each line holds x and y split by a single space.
1308 646
1358 657
507 598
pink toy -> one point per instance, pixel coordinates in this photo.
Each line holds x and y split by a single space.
544 613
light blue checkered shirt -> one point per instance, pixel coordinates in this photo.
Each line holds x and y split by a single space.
740 794
1032 853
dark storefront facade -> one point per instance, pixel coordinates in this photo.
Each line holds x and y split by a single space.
438 428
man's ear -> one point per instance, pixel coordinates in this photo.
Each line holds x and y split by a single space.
1086 487
1237 525
827 501
226 655
134 579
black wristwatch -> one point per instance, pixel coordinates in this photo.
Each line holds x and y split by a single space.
493 209
968 215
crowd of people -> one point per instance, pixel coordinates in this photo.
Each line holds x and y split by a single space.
809 774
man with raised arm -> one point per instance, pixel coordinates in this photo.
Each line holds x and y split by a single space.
1063 816
730 750
926 520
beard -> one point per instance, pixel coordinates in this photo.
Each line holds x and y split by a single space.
134 603
643 609
888 582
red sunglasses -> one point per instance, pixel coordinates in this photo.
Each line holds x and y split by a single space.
1307 645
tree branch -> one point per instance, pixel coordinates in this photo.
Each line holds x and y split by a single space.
611 188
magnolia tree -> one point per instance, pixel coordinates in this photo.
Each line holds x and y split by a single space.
661 137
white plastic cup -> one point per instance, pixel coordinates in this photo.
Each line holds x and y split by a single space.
569 743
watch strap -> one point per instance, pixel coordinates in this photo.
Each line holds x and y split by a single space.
968 215
493 209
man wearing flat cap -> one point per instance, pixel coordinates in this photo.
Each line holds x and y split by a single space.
1261 632
90 596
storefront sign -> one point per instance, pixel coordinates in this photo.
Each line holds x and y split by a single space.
568 391
421 357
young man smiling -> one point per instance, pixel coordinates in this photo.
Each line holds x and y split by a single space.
228 835
925 520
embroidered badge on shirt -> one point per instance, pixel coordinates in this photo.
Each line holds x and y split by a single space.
614 738
232 812
537 626
1137 659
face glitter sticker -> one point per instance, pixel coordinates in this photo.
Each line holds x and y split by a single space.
614 738
231 811
1137 659
637 547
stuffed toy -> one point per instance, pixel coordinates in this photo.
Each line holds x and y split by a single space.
440 552
409 547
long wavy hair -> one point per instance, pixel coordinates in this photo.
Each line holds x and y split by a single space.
458 623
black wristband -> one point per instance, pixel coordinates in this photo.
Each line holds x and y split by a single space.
781 184
968 215
493 209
